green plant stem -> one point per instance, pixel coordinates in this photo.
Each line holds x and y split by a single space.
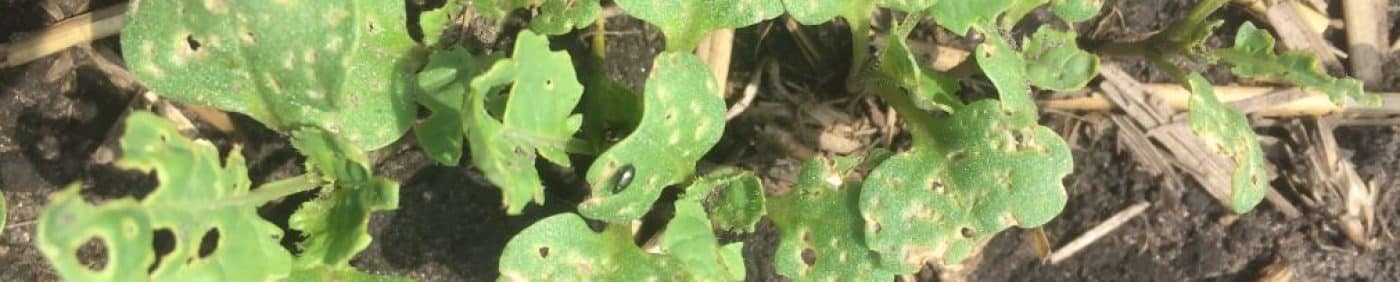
1130 49
600 38
917 118
860 21
1172 70
1172 41
1184 27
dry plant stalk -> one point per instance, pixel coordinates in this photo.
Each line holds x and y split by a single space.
67 33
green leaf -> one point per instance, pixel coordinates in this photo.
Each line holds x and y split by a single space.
499 9
434 22
1055 62
1007 71
910 6
1227 131
1019 10
1253 55
733 197
334 224
538 118
340 65
563 248
1076 10
816 12
561 16
685 22
960 15
985 170
443 85
681 120
610 110
198 194
929 89
819 218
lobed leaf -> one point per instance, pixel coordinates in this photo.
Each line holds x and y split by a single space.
985 167
563 248
443 85
334 224
930 90
1227 131
732 197
819 219
1253 55
339 65
1008 72
682 119
537 119
198 195
1055 62
685 21
986 170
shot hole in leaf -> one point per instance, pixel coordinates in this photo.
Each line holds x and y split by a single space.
163 242
809 257
192 43
93 254
209 242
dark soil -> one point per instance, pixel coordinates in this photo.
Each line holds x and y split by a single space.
56 113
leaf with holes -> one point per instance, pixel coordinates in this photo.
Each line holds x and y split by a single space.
820 227
930 90
1008 72
733 197
1055 62
958 16
682 119
1253 55
685 21
985 167
558 17
334 224
340 65
198 196
538 118
563 248
443 85
984 170
1227 131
